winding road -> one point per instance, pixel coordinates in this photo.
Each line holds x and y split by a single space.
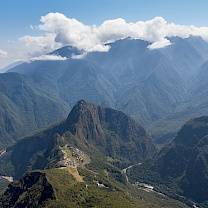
8 178
125 169
2 152
142 186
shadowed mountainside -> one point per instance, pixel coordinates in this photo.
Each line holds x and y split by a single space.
181 167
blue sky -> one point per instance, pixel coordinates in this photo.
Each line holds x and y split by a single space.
18 17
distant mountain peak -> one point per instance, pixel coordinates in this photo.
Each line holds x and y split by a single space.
67 51
83 103
79 107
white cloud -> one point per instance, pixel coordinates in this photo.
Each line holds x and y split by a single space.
69 31
159 44
81 56
49 57
3 53
38 45
59 30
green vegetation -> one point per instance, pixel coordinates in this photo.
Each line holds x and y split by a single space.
148 87
6 166
152 86
181 169
92 144
58 188
33 190
25 108
3 185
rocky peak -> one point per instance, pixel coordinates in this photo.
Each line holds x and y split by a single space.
66 51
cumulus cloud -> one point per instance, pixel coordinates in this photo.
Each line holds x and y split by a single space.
49 57
60 30
159 44
80 56
3 53
38 45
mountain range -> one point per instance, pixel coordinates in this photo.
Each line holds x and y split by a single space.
99 152
161 89
102 147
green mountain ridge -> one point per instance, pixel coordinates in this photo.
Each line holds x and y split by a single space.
97 146
25 108
58 188
81 160
181 167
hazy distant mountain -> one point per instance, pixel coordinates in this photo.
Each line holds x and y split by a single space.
10 66
141 82
67 51
187 55
148 84
194 104
71 79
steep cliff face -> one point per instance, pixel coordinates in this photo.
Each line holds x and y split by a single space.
110 132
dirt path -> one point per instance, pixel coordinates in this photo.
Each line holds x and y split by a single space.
142 186
73 171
